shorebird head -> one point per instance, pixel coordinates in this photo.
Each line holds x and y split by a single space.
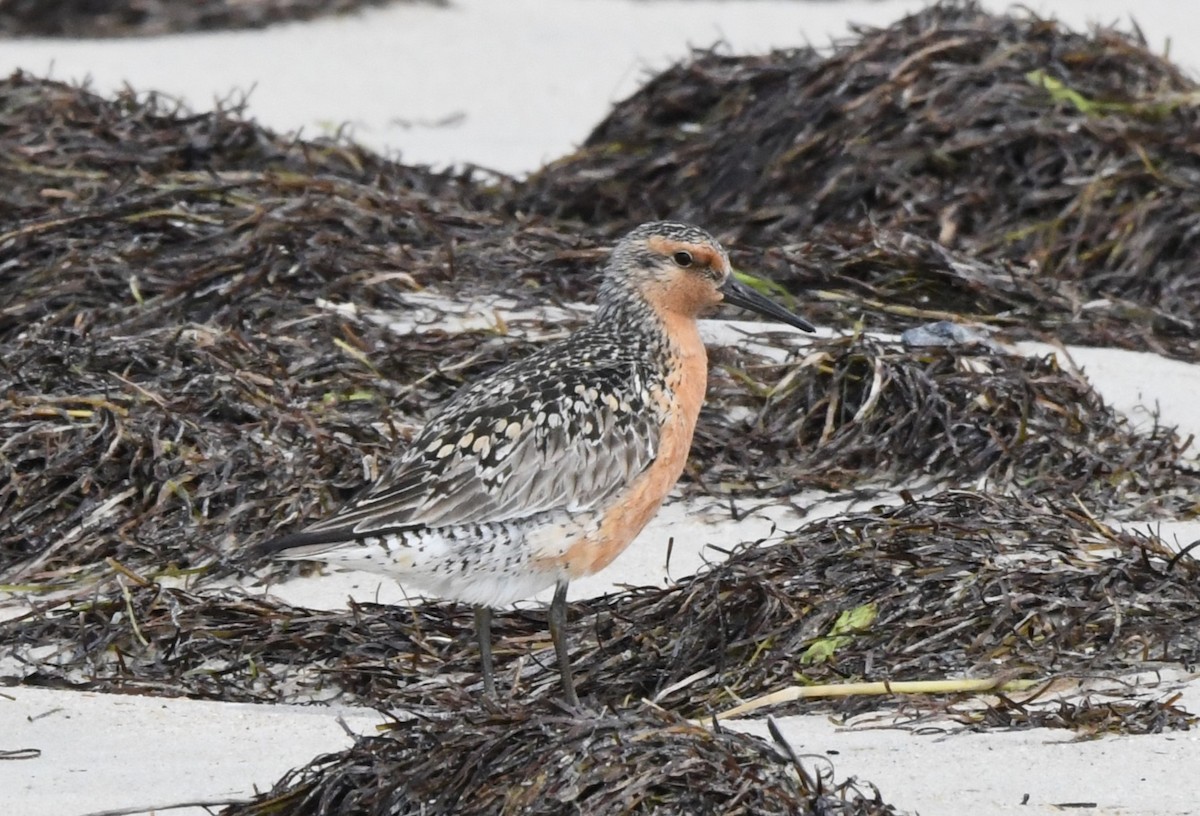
681 270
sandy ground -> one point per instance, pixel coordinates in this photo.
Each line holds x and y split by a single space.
441 86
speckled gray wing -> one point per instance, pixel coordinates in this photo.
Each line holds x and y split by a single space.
503 450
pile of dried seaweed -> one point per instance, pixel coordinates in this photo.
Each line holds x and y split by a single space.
1089 718
138 18
175 447
134 213
890 279
1009 138
959 583
852 408
475 761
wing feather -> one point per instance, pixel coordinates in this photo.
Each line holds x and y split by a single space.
581 441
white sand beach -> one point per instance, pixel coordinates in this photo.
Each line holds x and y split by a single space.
441 86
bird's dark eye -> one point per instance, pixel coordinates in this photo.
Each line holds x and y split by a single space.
682 258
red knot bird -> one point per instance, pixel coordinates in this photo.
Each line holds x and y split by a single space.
548 468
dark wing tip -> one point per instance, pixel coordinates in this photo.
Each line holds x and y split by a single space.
292 540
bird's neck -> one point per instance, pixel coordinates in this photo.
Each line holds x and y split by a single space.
657 328
673 342
687 365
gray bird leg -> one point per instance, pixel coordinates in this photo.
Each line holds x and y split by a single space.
558 633
483 631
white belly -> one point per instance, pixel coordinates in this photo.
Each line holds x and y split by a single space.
486 564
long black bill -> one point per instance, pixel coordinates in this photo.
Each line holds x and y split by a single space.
739 294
